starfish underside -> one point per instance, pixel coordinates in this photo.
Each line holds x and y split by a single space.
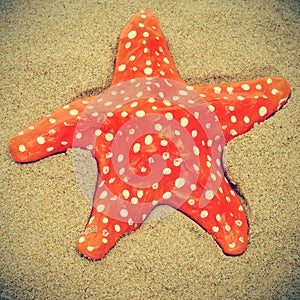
156 140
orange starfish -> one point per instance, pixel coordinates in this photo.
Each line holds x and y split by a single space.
157 141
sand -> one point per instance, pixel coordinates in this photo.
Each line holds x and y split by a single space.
54 51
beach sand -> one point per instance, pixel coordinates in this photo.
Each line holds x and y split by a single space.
55 51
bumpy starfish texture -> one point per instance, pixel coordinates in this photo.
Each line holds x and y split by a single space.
157 140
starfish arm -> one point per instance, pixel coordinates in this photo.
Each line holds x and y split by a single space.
143 51
52 134
112 217
223 217
241 105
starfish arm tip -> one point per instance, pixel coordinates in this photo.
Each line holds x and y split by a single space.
101 235
29 146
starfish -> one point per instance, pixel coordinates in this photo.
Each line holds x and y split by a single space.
157 140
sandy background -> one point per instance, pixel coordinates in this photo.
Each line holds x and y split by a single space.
51 52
